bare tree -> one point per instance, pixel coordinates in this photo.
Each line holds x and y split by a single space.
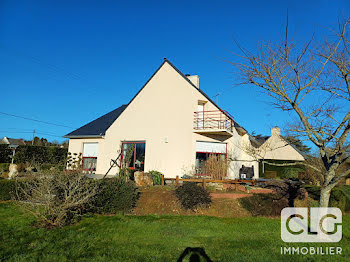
313 83
55 199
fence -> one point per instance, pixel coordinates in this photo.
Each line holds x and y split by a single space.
204 181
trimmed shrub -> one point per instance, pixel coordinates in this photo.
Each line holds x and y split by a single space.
157 177
115 195
7 189
40 154
192 196
264 204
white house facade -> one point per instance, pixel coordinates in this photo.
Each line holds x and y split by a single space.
172 126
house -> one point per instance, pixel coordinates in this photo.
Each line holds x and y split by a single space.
170 125
12 142
276 147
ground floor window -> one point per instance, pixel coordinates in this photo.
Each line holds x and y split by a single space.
133 155
204 150
202 157
89 161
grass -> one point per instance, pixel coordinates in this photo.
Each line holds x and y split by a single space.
150 238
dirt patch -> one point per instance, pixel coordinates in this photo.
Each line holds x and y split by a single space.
228 195
261 191
162 201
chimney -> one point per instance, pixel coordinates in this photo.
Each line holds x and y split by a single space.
275 131
194 80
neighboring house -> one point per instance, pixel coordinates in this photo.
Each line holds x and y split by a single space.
275 147
12 142
172 126
268 149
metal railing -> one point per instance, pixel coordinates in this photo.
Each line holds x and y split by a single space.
210 120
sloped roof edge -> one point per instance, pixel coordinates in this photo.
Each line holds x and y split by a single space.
84 130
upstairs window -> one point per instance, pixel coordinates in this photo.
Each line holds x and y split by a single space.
133 155
90 151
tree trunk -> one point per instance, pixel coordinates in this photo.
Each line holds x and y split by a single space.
324 196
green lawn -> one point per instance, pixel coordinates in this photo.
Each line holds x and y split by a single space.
149 238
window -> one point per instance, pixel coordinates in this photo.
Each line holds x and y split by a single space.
133 155
90 151
201 157
204 149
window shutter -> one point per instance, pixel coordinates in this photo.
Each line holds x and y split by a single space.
90 150
209 147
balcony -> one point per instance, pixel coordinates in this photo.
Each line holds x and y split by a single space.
217 122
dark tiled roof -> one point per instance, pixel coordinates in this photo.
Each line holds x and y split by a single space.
14 141
99 126
257 141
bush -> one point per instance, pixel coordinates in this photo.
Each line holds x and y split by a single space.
56 199
291 190
340 196
5 153
51 167
264 204
157 177
7 189
346 191
192 196
114 195
4 168
290 173
270 174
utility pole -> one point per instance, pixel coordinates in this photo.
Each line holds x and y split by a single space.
33 137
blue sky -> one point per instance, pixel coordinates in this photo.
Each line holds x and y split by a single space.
58 58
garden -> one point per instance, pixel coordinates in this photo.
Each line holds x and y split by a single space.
63 215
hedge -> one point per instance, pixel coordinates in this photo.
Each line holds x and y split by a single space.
114 195
7 189
5 153
34 154
288 172
340 196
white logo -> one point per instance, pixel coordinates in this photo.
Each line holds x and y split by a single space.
321 224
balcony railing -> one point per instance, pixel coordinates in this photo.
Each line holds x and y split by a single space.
217 121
